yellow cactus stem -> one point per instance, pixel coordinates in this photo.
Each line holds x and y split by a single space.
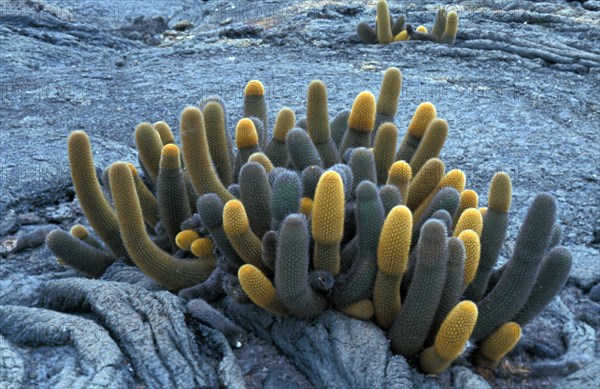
402 36
451 30
425 182
260 290
148 201
254 88
361 310
400 175
149 147
197 157
237 228
472 245
470 219
384 150
391 85
451 338
245 134
94 204
328 221
79 231
454 179
185 239
498 344
263 160
165 133
361 123
170 156
171 272
392 260
82 233
422 29
468 199
500 195
394 241
362 115
202 247
424 115
482 211
431 144
285 121
384 27
306 205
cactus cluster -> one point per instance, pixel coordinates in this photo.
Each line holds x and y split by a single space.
324 213
388 30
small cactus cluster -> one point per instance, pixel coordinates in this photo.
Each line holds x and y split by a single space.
324 213
388 30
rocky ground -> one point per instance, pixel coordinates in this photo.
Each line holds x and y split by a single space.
519 91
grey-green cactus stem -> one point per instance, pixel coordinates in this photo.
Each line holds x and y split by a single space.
357 283
210 209
411 327
286 198
553 275
291 270
81 256
518 279
301 150
255 193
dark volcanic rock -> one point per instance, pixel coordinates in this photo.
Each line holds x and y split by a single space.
332 350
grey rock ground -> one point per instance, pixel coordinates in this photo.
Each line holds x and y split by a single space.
519 91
